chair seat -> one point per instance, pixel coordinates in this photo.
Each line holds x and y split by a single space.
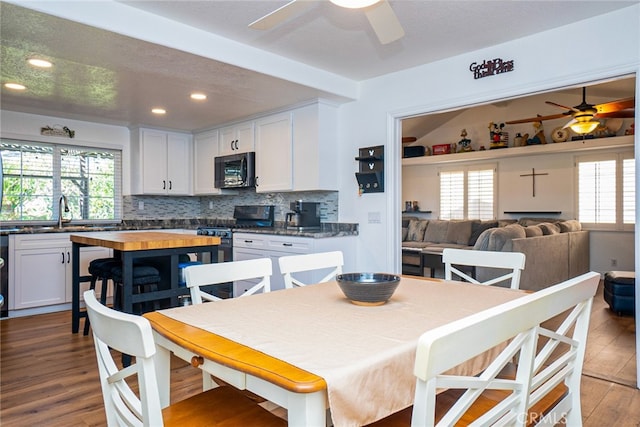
225 407
142 274
102 267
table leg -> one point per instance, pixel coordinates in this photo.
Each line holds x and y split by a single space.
162 360
307 409
75 288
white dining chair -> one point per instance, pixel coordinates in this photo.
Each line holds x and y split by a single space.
197 276
131 334
549 368
292 264
512 261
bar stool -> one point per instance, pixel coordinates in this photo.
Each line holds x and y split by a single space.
145 278
100 269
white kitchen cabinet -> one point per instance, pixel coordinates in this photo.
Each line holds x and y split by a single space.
161 162
235 139
274 152
40 270
255 245
205 150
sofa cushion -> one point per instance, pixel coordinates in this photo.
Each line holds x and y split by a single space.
533 231
478 227
436 231
459 232
405 233
549 228
482 243
415 232
569 226
406 219
418 246
500 239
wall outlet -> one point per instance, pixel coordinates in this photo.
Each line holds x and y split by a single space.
614 262
140 205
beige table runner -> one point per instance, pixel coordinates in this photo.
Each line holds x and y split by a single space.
365 354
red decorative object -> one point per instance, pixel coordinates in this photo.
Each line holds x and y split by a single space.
441 149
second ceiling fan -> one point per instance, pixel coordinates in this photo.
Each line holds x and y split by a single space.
381 16
584 113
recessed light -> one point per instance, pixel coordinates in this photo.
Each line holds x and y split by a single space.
41 63
198 96
14 86
159 111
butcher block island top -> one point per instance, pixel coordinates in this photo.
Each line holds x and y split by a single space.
142 240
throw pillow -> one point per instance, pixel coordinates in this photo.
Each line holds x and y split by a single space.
459 232
482 244
548 228
478 227
570 225
405 233
533 231
500 239
436 231
415 233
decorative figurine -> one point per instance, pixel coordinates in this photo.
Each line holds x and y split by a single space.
539 137
631 130
495 133
464 142
518 141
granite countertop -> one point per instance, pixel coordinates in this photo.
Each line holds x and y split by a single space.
333 229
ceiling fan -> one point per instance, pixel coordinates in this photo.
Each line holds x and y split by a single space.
379 13
583 115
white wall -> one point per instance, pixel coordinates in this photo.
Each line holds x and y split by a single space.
447 85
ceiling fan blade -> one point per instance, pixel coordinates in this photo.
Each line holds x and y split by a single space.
538 119
384 22
620 104
281 14
563 106
621 114
569 123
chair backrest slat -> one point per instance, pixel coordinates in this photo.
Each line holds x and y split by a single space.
512 261
217 273
292 264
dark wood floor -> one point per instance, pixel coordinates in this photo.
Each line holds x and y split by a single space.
48 376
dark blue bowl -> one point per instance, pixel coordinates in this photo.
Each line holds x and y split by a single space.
368 288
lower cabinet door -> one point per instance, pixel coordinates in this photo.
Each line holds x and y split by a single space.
42 277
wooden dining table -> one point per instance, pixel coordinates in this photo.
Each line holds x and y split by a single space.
310 349
131 246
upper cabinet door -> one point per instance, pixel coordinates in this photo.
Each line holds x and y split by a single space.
161 163
178 163
238 138
205 149
274 169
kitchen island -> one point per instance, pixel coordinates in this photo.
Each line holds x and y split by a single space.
130 247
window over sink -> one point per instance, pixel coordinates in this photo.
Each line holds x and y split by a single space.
36 175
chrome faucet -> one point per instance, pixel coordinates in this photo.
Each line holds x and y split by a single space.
62 203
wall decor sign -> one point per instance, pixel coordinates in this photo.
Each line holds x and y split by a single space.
490 67
57 130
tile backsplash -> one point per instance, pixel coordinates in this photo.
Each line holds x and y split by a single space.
221 207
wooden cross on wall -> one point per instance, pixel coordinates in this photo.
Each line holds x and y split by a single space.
533 175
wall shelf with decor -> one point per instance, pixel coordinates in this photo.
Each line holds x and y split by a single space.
416 212
529 150
532 212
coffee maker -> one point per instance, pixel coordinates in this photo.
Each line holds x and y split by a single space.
303 215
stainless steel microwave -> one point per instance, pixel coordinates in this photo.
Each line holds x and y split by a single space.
235 170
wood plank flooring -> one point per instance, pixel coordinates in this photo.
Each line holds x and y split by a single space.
48 376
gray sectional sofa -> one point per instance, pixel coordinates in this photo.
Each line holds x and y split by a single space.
555 250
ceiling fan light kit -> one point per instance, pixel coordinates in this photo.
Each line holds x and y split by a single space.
354 4
584 127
